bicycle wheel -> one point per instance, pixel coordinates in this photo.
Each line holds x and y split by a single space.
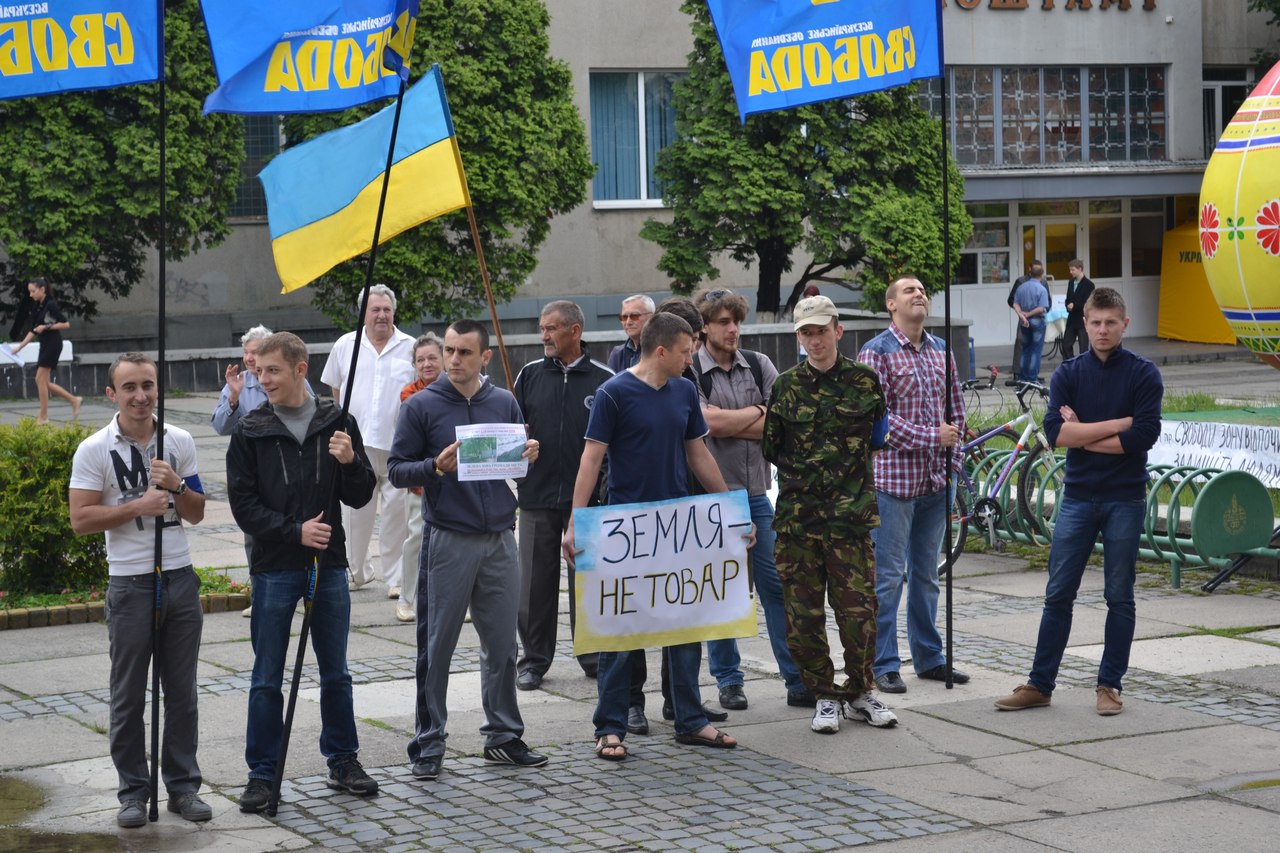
959 527
1040 479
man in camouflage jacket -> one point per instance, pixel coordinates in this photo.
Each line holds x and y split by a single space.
825 418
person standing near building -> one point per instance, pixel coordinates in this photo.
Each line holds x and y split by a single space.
428 359
1105 407
47 323
1079 289
285 493
384 368
734 385
825 418
911 483
649 422
119 487
1031 303
471 557
555 393
636 311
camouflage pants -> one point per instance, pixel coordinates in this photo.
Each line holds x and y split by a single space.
841 570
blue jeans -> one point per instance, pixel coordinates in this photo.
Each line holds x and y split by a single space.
275 597
1032 344
908 541
613 690
1079 523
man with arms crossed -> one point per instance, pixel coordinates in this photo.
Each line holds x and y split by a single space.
118 487
1105 407
911 483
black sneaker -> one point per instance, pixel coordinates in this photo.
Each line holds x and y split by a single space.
255 796
347 775
802 698
514 752
426 769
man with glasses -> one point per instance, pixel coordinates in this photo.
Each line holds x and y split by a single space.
636 311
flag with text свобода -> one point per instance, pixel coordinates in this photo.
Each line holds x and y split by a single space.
322 196
787 53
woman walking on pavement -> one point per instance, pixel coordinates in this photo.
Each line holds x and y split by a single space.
47 323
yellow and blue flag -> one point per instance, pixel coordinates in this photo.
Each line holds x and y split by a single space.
405 22
322 196
70 45
302 56
787 53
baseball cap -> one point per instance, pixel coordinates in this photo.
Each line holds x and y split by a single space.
814 311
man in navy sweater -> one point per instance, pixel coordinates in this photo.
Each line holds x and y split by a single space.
1105 406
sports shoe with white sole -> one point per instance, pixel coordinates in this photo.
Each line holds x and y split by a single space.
870 710
826 720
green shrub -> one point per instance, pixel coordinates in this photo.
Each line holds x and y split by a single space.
38 551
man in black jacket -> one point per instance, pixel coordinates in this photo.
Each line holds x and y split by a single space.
1079 289
284 493
555 393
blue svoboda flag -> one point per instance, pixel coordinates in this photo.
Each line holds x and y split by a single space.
305 56
322 196
786 53
69 45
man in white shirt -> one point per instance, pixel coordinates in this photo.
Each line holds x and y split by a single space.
385 366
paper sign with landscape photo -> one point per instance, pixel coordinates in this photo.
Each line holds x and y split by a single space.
491 451
663 573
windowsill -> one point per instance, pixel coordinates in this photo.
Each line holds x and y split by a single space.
629 204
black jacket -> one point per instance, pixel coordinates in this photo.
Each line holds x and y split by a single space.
556 405
276 484
1077 293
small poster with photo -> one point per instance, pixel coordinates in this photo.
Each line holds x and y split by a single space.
491 451
8 356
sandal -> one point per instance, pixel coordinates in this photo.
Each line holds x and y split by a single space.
604 743
718 742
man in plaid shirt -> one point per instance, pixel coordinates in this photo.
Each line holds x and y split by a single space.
910 477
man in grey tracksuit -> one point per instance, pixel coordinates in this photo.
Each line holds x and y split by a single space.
472 558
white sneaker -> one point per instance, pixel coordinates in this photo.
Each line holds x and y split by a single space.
826 720
247 612
353 582
406 612
393 592
870 709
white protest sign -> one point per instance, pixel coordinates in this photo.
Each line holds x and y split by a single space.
1231 447
491 451
662 573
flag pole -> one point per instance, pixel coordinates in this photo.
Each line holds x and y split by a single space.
951 377
484 276
153 813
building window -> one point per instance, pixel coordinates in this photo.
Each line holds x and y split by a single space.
1106 239
1225 89
1031 116
633 118
261 143
985 258
1146 235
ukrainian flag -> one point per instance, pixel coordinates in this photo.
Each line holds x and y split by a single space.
322 196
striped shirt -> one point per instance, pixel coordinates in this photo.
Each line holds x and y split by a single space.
914 382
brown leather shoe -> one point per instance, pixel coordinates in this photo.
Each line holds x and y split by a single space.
1109 703
1023 696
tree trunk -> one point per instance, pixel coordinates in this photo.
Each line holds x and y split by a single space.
775 257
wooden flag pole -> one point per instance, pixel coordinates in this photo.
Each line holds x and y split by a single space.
488 290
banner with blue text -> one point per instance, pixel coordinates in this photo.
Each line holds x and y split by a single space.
70 45
301 56
786 53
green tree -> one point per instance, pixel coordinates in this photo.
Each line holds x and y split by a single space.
1267 56
523 146
854 184
80 176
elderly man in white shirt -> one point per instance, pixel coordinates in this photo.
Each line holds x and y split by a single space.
385 366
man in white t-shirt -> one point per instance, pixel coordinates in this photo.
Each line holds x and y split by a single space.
385 366
120 488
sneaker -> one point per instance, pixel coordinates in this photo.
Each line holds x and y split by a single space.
247 612
132 814
1109 703
826 720
802 698
255 796
871 710
514 752
891 682
426 769
1024 696
394 592
190 806
347 775
405 612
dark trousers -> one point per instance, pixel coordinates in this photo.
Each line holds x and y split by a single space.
1074 333
540 532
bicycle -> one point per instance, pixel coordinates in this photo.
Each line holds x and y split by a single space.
982 489
975 388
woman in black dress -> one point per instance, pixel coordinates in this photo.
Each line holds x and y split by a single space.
47 323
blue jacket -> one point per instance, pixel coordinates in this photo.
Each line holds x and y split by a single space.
427 425
1125 385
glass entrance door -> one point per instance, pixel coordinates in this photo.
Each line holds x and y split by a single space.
1054 241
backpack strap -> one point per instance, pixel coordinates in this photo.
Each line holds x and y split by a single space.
753 362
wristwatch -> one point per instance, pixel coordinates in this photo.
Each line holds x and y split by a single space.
182 488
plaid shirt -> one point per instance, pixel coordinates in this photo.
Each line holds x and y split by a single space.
914 382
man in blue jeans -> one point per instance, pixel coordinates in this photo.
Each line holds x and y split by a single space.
284 493
1031 303
1105 406
911 483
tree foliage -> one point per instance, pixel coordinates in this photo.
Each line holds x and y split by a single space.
854 184
523 147
80 176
